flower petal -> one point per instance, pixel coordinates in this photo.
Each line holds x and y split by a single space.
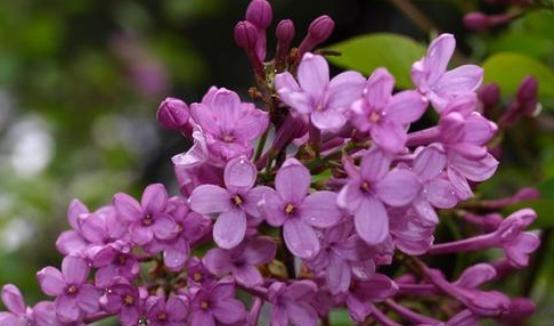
438 55
371 221
398 188
13 299
51 281
154 198
217 261
228 311
247 275
328 120
201 318
375 164
88 297
320 209
313 75
429 163
405 107
240 173
338 275
230 228
207 199
301 313
292 181
75 270
67 309
164 227
300 238
464 79
127 207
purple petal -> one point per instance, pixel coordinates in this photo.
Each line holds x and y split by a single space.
175 256
154 198
279 316
217 261
44 314
292 182
429 163
260 250
398 188
129 316
371 221
375 164
230 228
478 130
459 184
176 308
207 199
105 276
313 75
252 123
440 193
93 229
320 209
141 235
291 94
379 88
518 251
390 136
344 89
228 311
357 310
301 290
223 291
253 199
474 170
75 269
338 275
51 281
328 120
70 242
247 275
240 173
227 105
164 227
438 55
201 318
301 313
300 238
13 299
88 297
405 107
274 209
476 275
67 309
380 287
463 79
427 212
127 207
75 209
350 196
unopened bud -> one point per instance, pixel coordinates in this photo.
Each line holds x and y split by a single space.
259 13
489 95
527 95
285 31
173 113
318 32
526 193
246 35
476 21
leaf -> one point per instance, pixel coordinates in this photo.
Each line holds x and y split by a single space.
365 53
544 209
508 69
340 318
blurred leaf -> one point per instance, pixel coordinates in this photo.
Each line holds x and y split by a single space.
544 209
365 53
340 318
538 46
508 69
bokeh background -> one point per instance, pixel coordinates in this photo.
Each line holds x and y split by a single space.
80 82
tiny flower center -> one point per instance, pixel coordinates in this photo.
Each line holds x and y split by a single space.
228 138
121 259
237 200
162 316
147 220
72 290
290 209
129 300
365 186
180 228
197 276
204 305
374 117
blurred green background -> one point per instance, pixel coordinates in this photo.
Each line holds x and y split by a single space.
80 82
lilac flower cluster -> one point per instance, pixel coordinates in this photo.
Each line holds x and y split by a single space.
339 185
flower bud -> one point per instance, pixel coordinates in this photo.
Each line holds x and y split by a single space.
173 113
259 13
476 21
285 31
319 30
246 35
527 95
489 95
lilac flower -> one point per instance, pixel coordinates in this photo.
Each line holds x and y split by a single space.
147 218
241 261
359 300
372 186
18 314
74 296
385 116
342 256
290 206
114 261
228 125
232 204
216 304
71 241
411 234
125 300
160 312
438 85
324 100
197 274
293 303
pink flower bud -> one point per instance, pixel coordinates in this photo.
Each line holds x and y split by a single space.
489 95
527 94
246 35
259 13
476 21
319 30
173 113
285 31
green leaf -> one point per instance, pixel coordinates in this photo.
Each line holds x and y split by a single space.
544 209
340 318
508 69
365 53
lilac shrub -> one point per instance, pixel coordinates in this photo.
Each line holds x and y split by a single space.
298 203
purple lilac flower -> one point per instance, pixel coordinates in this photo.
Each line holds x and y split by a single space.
215 304
343 255
290 206
74 295
370 188
386 116
148 219
114 261
18 314
359 300
241 261
227 125
172 312
260 14
197 274
324 100
438 85
293 303
125 300
410 233
232 204
71 241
